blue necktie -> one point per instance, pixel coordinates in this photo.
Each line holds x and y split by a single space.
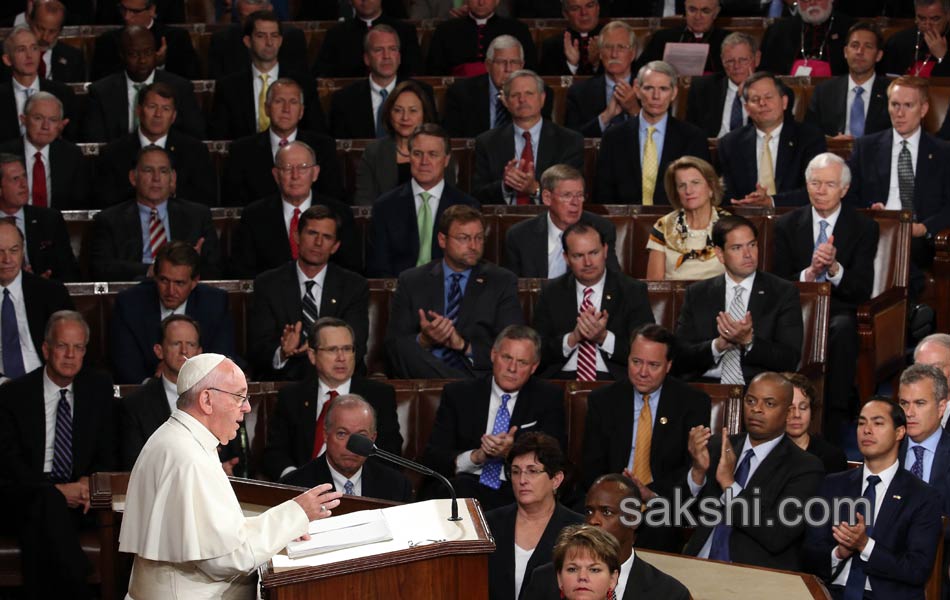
854 588
12 355
775 8
491 470
857 113
63 442
502 116
451 357
918 467
822 239
719 550
380 124
348 488
735 118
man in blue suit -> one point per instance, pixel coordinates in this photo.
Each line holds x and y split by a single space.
174 288
889 553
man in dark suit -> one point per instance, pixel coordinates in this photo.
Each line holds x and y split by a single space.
175 288
887 544
645 439
509 160
447 312
533 247
403 227
572 52
227 53
473 105
48 251
763 463
808 43
61 62
462 443
110 112
459 45
700 29
654 138
46 477
155 113
264 237
298 430
175 52
240 98
341 52
343 9
827 241
920 50
127 236
734 326
836 106
106 13
354 475
608 99
714 103
774 143
289 298
59 176
925 451
638 578
585 317
22 54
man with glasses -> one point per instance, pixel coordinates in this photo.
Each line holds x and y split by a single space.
714 103
700 29
300 429
921 50
573 52
810 43
478 420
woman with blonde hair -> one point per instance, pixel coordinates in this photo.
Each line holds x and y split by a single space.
587 563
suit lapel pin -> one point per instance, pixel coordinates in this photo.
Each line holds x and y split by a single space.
834 36
332 300
480 280
608 297
171 148
930 157
664 420
896 497
306 403
62 60
791 143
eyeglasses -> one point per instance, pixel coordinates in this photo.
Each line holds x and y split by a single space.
345 350
818 184
570 197
242 398
288 169
741 62
530 472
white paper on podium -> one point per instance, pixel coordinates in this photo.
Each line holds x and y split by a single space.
346 531
687 59
411 525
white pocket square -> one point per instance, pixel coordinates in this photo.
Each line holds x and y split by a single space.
526 425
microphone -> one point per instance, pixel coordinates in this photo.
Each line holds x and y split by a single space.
363 446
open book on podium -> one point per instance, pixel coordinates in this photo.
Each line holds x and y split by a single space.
419 554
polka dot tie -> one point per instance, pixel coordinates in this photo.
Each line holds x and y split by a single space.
491 471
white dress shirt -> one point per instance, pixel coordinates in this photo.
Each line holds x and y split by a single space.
29 151
716 370
275 144
339 480
316 292
167 312
31 359
435 195
625 568
463 462
913 144
608 346
773 147
288 209
731 90
272 76
144 141
51 403
557 266
866 96
376 98
832 219
21 94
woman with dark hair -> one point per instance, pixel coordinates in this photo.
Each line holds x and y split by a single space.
525 531
385 162
587 563
798 422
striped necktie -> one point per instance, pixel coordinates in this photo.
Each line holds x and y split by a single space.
310 311
586 351
730 366
63 441
650 167
156 233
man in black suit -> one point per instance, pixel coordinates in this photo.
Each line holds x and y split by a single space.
227 53
110 112
107 13
48 251
808 43
351 473
459 45
734 326
700 29
403 227
473 105
248 174
265 235
279 321
155 113
836 105
46 477
61 62
774 143
22 54
645 438
920 50
763 463
926 450
462 442
572 52
447 312
175 288
533 247
889 543
240 98
654 138
586 316
127 236
828 241
341 52
174 50
509 160
638 578
608 99
59 176
714 103
298 429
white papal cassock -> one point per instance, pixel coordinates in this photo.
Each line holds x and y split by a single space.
185 525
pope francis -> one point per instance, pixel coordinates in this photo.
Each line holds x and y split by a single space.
182 520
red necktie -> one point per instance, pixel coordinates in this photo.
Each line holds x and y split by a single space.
583 65
283 142
319 436
587 353
527 156
294 221
42 67
39 180
156 233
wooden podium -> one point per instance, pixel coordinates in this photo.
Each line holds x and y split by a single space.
417 564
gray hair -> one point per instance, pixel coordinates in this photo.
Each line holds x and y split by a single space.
737 38
349 401
59 316
657 66
520 332
538 82
381 28
555 174
922 3
297 144
8 43
282 81
829 159
919 372
503 42
938 339
618 25
39 96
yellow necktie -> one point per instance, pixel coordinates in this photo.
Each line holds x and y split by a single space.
766 173
263 121
650 165
641 450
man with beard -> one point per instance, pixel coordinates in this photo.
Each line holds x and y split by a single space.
809 43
